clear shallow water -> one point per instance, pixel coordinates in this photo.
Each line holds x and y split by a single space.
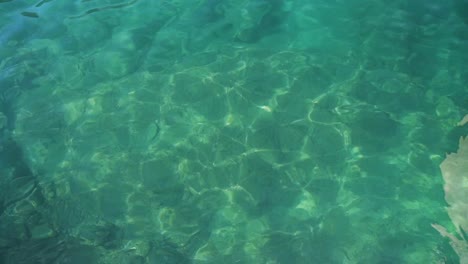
221 131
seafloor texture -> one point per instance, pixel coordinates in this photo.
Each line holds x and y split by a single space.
229 131
454 170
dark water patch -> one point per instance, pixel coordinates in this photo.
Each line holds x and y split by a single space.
30 14
103 8
43 2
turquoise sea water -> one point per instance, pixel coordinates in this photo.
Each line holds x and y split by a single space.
229 131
